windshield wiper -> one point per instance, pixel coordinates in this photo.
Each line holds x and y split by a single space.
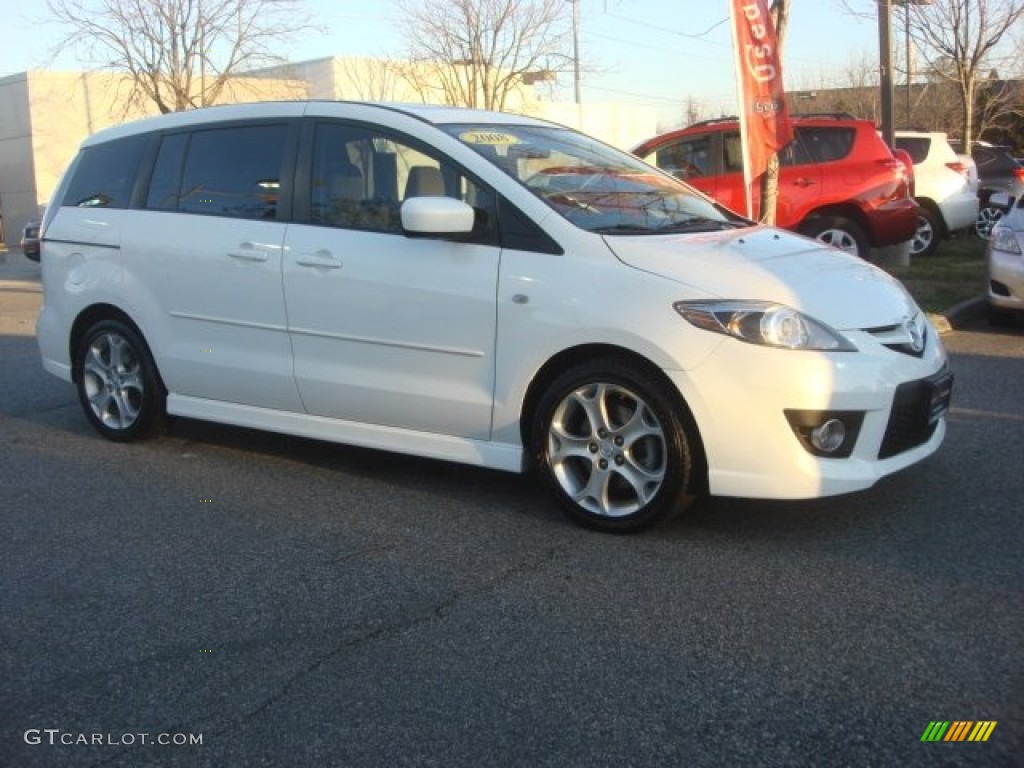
701 224
624 229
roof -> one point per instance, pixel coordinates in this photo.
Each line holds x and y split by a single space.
428 113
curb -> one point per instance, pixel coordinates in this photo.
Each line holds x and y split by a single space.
960 315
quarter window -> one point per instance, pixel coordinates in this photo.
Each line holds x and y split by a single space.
105 174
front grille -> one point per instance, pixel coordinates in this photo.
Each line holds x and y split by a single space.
899 338
916 409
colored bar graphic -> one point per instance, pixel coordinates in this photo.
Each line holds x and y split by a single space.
982 731
958 730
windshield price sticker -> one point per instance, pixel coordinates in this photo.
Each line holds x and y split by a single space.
492 138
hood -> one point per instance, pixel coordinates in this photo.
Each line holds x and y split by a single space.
768 264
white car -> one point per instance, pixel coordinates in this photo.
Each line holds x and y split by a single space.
945 186
1004 255
480 288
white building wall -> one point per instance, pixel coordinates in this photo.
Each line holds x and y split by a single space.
17 181
367 79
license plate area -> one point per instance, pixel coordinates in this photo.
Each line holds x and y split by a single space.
941 387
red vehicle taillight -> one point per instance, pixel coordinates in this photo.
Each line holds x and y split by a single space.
905 175
960 168
1019 173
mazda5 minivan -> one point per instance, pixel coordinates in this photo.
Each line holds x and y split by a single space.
480 288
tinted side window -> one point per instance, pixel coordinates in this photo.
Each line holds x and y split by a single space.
796 152
916 146
360 178
685 159
793 153
826 145
233 172
732 149
993 162
166 181
105 174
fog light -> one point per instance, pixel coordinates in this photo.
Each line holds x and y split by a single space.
829 436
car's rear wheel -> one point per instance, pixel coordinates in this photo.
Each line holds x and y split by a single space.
839 232
988 216
610 444
118 385
926 238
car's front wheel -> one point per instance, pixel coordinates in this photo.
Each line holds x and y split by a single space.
118 385
839 232
610 444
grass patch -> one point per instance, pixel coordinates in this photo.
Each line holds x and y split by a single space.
955 273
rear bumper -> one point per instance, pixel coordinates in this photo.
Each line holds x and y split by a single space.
893 222
959 211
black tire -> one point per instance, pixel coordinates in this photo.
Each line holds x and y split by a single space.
929 233
839 232
118 384
1000 318
628 471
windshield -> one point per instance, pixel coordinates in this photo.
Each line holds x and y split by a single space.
596 187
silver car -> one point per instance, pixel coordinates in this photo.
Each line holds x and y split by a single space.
1005 258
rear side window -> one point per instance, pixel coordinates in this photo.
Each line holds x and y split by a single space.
916 146
233 171
826 145
993 162
105 174
686 158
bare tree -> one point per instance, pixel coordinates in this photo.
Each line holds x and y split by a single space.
770 179
475 53
966 32
374 79
179 54
959 39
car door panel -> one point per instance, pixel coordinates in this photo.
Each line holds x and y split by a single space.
387 329
221 308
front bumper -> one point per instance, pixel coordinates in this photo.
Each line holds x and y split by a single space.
751 447
1006 279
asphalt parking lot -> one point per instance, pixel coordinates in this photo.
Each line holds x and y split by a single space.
222 597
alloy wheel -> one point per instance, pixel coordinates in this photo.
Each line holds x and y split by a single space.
607 449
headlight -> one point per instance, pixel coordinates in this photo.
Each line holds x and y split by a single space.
758 322
1005 239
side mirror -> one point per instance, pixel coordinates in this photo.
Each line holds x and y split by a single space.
437 218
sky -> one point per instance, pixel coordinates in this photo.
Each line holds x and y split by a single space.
656 53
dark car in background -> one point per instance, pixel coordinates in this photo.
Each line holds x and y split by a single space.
998 171
30 240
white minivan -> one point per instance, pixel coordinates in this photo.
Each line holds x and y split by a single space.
481 288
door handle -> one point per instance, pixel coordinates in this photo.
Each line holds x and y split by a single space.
320 259
248 252
804 182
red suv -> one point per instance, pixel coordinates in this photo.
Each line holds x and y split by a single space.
839 182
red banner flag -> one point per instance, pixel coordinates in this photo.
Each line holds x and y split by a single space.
765 126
